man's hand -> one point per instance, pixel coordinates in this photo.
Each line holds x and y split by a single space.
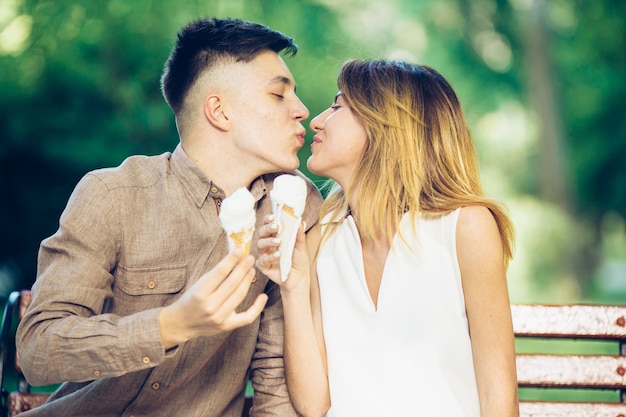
208 307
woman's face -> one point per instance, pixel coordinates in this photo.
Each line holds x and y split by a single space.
338 143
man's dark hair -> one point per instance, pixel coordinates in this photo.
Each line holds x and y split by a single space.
205 41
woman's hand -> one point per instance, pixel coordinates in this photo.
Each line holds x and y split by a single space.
268 258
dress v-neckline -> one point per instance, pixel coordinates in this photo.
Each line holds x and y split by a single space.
375 304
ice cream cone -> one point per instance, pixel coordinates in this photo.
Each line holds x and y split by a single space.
288 199
238 219
241 240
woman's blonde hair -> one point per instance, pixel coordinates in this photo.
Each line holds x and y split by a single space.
418 157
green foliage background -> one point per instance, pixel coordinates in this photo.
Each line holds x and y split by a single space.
543 85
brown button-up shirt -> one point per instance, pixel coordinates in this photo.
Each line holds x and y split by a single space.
131 240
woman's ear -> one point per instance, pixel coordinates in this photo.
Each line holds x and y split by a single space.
214 113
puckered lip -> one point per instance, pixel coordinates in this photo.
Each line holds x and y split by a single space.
316 139
301 137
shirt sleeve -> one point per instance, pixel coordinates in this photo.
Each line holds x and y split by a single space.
267 368
65 336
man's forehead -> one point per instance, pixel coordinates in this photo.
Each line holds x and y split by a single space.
271 64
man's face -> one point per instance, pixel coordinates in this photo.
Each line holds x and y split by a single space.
266 114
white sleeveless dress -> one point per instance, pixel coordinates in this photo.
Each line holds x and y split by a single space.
410 356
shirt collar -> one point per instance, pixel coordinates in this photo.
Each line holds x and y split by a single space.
198 185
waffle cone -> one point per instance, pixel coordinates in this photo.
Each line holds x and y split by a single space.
241 240
289 210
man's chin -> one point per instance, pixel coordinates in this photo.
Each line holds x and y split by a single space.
283 168
292 166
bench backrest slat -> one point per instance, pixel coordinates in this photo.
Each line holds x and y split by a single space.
576 321
543 409
597 370
571 371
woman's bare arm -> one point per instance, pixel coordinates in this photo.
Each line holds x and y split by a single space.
480 255
304 351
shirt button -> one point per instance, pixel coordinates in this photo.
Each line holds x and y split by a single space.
96 373
213 190
156 386
151 284
145 360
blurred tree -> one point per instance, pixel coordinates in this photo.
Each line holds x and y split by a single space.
544 93
591 56
81 94
576 66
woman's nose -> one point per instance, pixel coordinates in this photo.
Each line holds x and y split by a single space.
317 123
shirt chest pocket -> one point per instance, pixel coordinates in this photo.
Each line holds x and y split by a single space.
138 289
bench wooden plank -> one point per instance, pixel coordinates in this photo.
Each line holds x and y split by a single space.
21 401
571 371
571 321
546 409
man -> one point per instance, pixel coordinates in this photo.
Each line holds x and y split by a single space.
138 308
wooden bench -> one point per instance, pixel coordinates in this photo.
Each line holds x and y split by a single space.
601 368
549 369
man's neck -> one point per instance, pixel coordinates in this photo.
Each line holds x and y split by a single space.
225 171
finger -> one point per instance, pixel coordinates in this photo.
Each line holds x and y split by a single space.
268 245
246 317
300 255
300 246
242 273
268 262
301 237
268 230
229 295
211 280
228 319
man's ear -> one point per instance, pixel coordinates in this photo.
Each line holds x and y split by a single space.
214 113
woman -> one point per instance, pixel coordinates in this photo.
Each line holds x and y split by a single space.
404 309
